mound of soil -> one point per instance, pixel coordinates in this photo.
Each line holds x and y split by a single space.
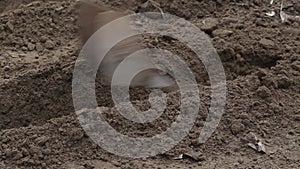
39 44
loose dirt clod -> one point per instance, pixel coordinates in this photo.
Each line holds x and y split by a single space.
263 92
209 25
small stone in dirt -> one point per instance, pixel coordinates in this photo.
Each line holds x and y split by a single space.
261 73
44 165
41 141
237 127
22 55
43 39
6 68
241 161
284 82
24 48
191 156
275 108
221 33
267 43
263 92
270 82
209 25
10 26
39 47
49 44
31 47
77 134
24 152
34 150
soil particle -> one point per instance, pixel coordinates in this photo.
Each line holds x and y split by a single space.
10 26
237 127
49 44
41 141
209 25
6 68
43 39
222 33
24 151
267 43
296 66
31 47
263 92
261 73
270 82
284 82
18 156
297 117
39 47
275 108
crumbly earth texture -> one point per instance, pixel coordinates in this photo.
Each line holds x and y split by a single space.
39 44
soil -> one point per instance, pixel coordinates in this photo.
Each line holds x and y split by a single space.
261 55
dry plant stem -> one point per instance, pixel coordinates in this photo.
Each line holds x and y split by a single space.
156 5
285 17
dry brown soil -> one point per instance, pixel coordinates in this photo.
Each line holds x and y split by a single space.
261 55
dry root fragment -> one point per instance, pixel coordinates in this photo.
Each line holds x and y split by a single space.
285 17
156 5
272 13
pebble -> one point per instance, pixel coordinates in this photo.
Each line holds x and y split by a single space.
49 44
24 152
6 68
24 48
10 26
210 25
270 82
241 161
43 39
35 151
267 43
263 92
77 134
39 47
221 33
284 82
261 73
31 47
41 141
237 127
276 108
22 55
44 165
